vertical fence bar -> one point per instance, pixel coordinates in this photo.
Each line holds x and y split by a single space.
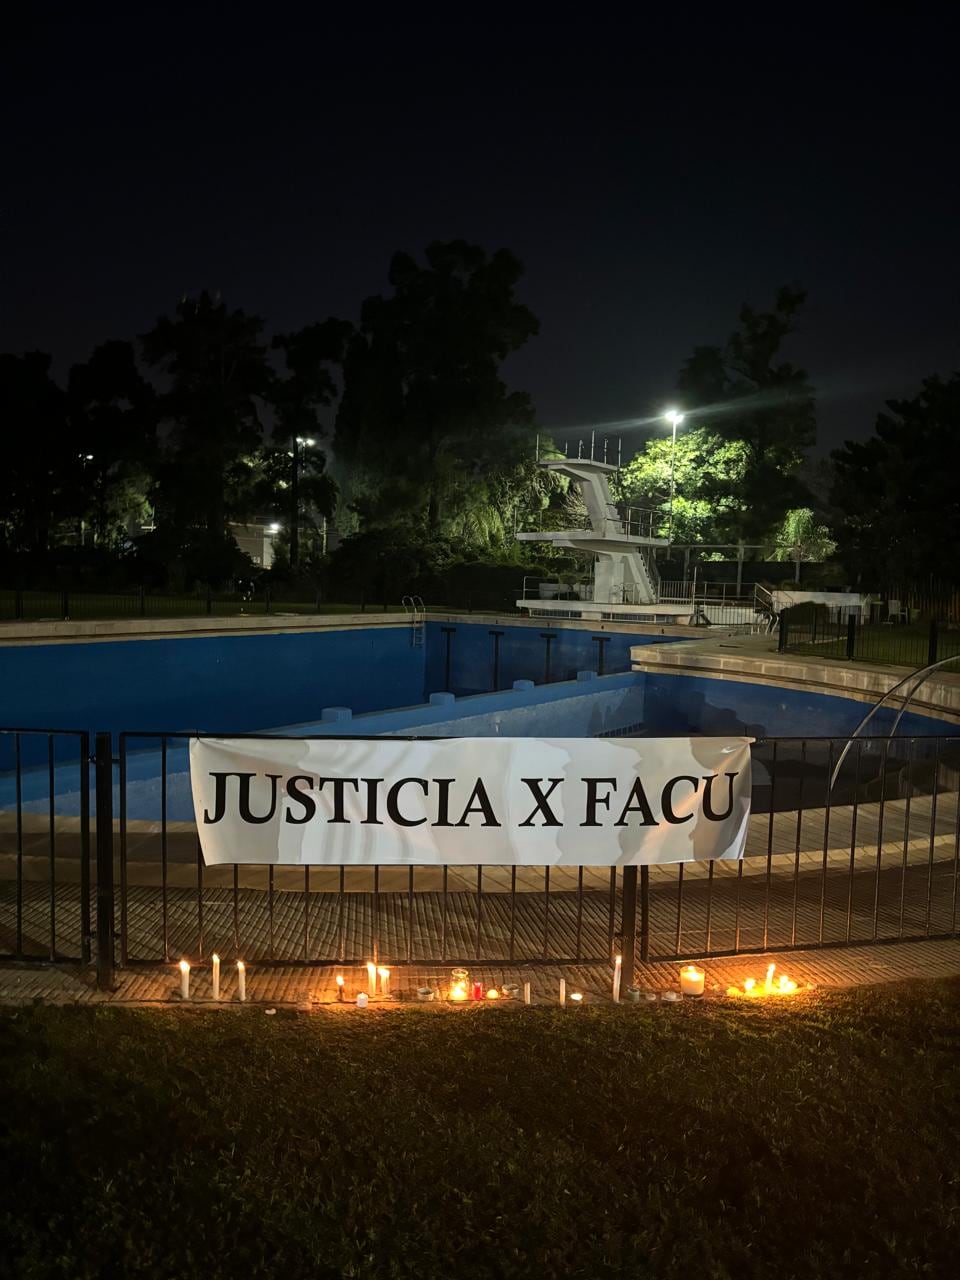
513 911
796 853
710 866
18 765
124 930
410 917
611 911
85 923
52 801
736 906
270 895
376 914
679 929
880 813
103 775
826 843
340 904
443 914
956 865
579 912
933 825
199 898
853 840
628 924
479 949
546 911
306 913
164 905
906 853
766 892
236 910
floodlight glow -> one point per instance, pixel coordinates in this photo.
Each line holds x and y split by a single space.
274 528
674 417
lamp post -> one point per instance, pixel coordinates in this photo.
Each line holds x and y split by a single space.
300 444
674 417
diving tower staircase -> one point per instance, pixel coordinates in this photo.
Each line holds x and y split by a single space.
625 584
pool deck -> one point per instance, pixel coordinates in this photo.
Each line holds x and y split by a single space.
307 988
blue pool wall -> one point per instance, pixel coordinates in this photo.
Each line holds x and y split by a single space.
247 683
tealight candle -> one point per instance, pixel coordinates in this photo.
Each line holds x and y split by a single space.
576 997
184 979
670 996
371 979
425 993
617 972
215 977
241 980
340 987
633 995
691 980
384 981
362 999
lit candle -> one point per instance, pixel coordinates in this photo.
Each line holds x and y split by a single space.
768 980
241 980
576 997
493 994
384 981
458 991
371 979
617 972
340 987
691 980
478 991
563 993
526 993
184 979
749 984
215 981
362 999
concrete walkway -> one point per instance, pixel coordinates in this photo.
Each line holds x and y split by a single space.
305 987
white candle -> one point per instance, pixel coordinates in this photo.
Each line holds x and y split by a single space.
339 986
617 972
362 999
384 981
184 979
563 993
691 980
241 980
215 980
371 979
526 993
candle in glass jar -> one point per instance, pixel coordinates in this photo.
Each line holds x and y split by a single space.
362 999
215 977
184 979
241 980
691 980
478 991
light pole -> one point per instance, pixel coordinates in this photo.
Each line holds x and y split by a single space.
674 417
300 444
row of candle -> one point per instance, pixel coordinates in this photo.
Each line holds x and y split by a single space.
214 978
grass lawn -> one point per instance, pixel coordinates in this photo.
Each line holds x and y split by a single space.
906 646
811 1137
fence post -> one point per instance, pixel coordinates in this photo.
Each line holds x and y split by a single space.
209 601
644 913
266 598
784 631
628 924
18 604
143 602
932 642
103 776
851 635
64 604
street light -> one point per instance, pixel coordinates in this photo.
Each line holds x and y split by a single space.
674 417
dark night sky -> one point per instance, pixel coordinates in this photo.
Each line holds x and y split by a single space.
651 174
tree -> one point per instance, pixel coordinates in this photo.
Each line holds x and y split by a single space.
298 400
424 407
743 392
897 492
113 419
38 479
218 380
801 537
709 473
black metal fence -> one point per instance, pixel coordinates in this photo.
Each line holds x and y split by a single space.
874 858
61 603
820 633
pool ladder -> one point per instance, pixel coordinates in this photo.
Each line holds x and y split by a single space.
416 611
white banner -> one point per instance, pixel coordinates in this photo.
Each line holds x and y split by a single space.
462 801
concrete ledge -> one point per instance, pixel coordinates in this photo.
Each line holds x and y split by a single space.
69 631
754 660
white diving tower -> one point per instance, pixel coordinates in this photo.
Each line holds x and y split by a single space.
625 583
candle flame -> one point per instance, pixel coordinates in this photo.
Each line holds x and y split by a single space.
339 979
783 986
458 991
241 967
215 958
576 995
184 966
493 994
384 973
